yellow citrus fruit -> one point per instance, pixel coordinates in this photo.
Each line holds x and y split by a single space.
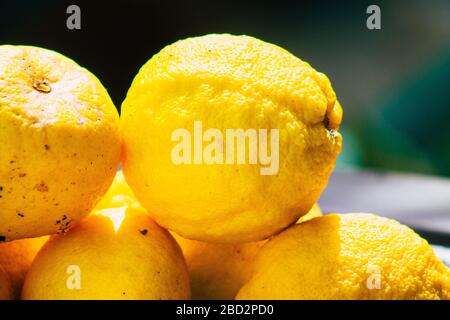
118 194
350 256
60 142
116 253
218 271
16 258
246 89
6 288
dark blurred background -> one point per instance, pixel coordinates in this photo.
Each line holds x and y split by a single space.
393 83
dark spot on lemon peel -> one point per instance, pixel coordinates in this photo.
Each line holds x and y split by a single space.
42 85
64 225
2 238
326 122
143 232
47 147
21 175
20 214
41 187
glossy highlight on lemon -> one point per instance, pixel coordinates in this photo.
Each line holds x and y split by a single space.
60 142
229 82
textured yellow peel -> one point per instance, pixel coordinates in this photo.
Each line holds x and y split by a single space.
350 256
59 138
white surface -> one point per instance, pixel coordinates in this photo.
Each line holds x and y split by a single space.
443 253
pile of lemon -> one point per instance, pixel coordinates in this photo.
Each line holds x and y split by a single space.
161 229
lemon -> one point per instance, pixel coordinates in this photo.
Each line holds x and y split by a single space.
116 253
16 258
218 271
60 142
6 288
212 85
350 256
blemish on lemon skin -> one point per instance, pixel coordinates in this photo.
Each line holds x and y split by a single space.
65 224
2 238
326 123
143 232
41 187
42 85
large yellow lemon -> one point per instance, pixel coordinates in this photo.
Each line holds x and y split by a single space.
16 258
218 271
228 138
116 253
60 142
6 288
350 256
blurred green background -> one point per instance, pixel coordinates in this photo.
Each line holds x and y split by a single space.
393 83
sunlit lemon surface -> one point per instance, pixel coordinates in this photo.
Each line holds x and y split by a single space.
116 253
